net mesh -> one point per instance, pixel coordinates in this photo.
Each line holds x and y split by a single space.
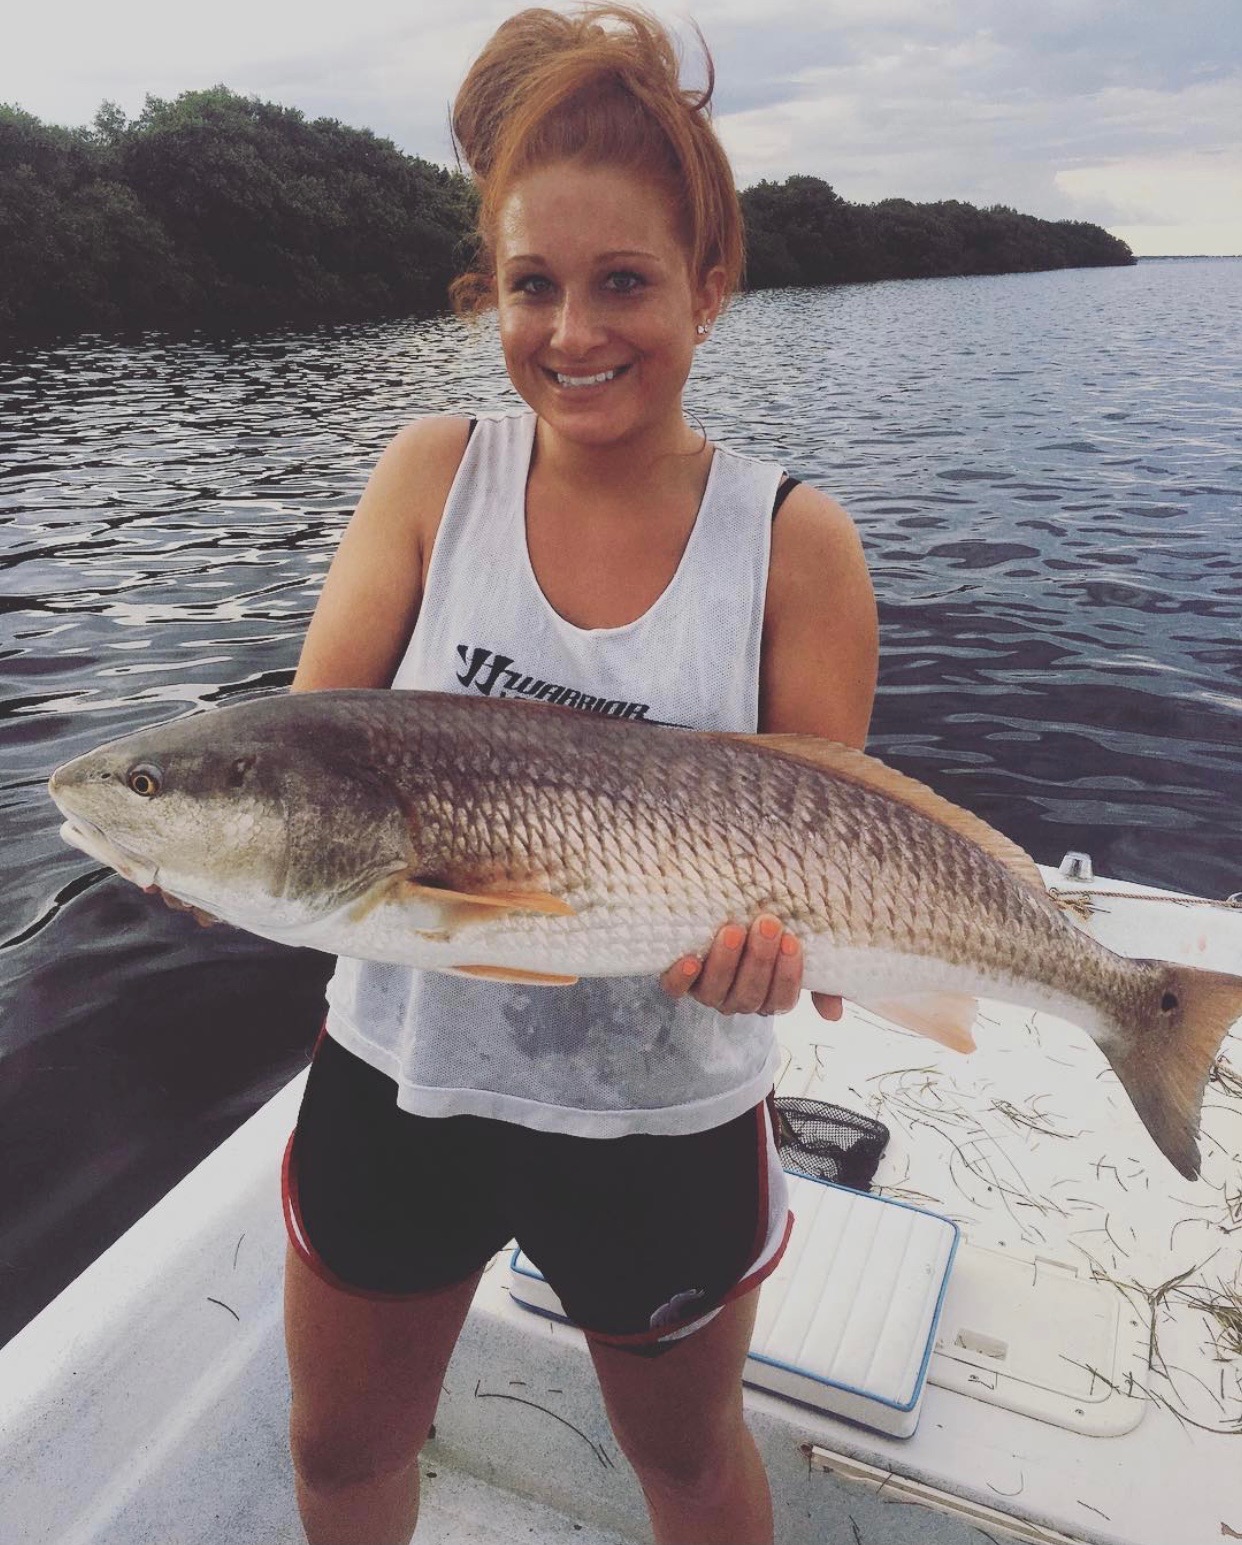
829 1142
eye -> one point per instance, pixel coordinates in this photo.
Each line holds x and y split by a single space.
623 282
1169 1002
145 780
531 284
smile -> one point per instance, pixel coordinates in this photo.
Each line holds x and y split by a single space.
599 379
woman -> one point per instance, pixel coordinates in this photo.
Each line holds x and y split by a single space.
593 550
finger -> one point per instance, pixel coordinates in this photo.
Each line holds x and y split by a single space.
786 985
827 1005
203 919
681 976
720 966
752 980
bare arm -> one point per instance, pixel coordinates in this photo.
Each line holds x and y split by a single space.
821 640
817 676
371 597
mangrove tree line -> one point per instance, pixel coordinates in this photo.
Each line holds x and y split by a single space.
221 210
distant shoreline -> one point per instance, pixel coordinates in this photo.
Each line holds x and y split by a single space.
222 211
1188 257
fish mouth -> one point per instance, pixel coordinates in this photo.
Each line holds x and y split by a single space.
83 834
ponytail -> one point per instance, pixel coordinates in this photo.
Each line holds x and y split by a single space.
552 87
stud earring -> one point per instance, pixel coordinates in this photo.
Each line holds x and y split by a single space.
703 328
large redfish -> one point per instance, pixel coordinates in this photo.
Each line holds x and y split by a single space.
535 844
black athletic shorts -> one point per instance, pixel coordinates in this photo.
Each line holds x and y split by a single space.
643 1238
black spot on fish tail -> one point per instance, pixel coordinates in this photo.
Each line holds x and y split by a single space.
1164 1064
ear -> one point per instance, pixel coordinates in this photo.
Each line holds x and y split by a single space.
709 295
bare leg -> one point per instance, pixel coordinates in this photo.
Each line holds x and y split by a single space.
366 1380
678 1419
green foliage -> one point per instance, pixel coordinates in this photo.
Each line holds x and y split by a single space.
222 209
801 232
217 208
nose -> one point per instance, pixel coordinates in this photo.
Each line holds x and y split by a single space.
579 326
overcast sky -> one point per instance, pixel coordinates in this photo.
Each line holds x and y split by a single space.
1124 112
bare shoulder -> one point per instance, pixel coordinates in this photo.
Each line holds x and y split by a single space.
413 477
820 638
813 529
436 441
371 597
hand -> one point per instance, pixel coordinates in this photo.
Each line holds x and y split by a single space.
755 971
203 919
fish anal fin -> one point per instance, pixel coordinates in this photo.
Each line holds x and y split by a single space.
846 762
514 974
945 1017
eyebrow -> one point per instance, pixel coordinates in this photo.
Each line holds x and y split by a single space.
604 257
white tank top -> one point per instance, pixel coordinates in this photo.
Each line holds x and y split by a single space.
607 1056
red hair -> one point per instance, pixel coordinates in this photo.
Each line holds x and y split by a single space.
552 87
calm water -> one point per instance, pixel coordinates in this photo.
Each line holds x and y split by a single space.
1047 473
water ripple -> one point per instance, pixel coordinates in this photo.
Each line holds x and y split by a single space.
1045 472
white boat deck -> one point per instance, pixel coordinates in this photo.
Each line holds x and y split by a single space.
147 1405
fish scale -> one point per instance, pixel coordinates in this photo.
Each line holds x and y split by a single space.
510 839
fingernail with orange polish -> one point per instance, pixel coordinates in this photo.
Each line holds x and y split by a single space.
769 927
689 968
789 945
733 936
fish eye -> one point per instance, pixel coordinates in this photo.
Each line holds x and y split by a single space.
1169 1002
144 780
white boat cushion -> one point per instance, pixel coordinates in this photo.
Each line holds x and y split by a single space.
847 1321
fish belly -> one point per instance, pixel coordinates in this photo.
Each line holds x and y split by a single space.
624 941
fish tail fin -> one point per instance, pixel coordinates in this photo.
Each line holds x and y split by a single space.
1164 1064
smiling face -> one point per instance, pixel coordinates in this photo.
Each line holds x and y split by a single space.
597 306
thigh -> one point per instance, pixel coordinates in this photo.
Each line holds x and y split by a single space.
669 1412
382 1202
366 1372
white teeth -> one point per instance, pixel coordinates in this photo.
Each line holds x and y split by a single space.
604 375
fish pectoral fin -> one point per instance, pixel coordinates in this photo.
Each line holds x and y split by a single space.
437 907
946 1017
514 974
505 900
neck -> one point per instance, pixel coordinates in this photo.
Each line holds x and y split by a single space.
626 463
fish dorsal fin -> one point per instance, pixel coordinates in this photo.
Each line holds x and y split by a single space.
845 762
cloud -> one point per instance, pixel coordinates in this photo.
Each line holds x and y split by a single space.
1172 204
380 63
998 107
986 100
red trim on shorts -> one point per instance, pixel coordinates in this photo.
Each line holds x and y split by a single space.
295 1228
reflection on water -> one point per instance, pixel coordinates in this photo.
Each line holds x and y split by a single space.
1046 470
